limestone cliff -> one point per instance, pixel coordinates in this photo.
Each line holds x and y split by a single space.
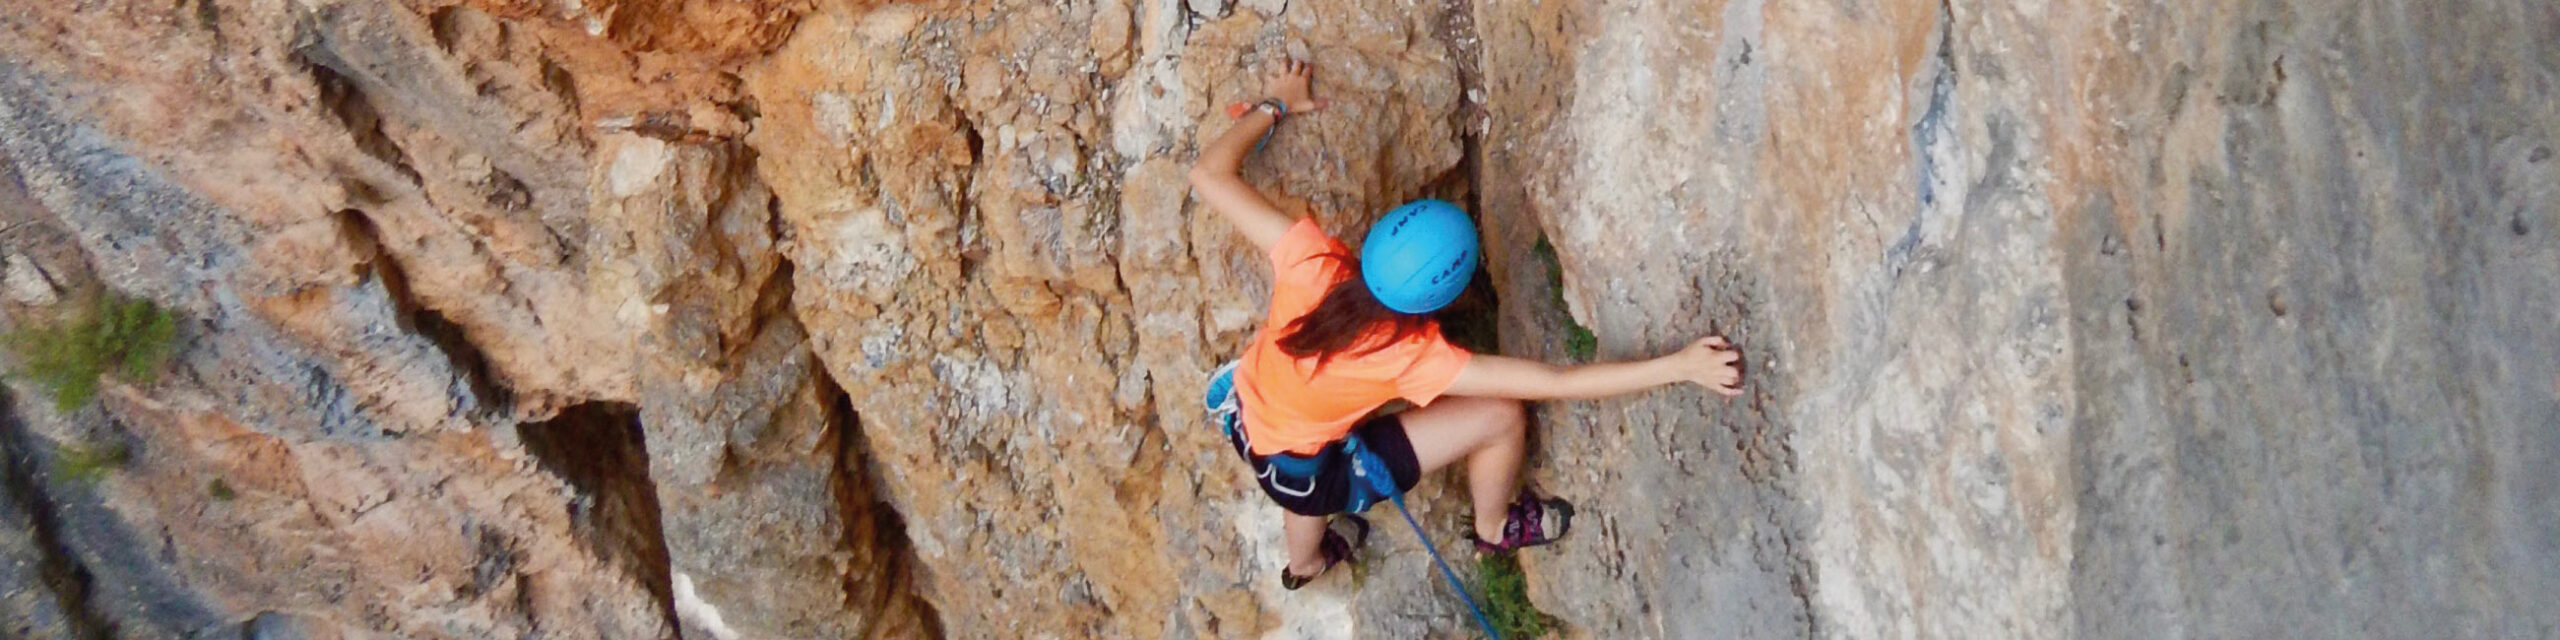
842 318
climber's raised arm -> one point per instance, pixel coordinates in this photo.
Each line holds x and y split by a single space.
1710 363
1216 175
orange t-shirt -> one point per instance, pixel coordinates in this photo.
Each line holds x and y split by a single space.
1291 406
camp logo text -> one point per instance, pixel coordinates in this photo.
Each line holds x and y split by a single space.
1452 269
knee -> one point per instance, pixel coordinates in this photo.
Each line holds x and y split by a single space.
1512 416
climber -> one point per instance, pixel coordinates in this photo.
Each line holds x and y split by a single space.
1344 336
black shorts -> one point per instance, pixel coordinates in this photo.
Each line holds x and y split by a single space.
1330 489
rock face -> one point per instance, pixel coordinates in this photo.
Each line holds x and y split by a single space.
2065 322
832 318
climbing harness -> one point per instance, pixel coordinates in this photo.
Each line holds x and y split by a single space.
1371 479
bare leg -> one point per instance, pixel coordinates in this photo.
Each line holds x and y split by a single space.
1491 434
1305 535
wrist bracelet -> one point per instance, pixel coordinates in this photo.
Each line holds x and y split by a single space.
1278 110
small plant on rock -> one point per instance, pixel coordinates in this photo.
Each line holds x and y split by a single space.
1579 342
1506 597
122 336
87 464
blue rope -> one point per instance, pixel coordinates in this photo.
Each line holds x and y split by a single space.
1372 472
1445 572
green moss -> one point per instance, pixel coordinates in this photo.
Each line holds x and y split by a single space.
124 337
1579 342
221 491
1506 598
88 464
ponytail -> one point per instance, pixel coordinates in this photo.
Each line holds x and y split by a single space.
1349 320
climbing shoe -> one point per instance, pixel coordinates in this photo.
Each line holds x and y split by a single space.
1343 535
1532 521
1221 394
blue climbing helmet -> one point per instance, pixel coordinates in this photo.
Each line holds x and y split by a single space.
1420 256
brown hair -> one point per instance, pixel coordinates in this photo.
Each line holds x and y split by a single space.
1349 320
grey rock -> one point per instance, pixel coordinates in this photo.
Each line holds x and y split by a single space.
270 625
2248 344
27 283
1209 8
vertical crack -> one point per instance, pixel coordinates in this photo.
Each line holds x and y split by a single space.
348 104
1930 144
870 523
1932 124
1473 321
1456 28
477 385
600 450
59 570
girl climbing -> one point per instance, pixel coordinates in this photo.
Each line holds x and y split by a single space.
1346 335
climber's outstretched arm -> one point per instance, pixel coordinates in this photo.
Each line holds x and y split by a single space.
1217 176
1710 363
